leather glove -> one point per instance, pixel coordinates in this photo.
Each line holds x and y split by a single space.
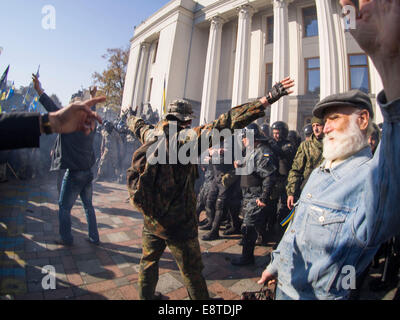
277 92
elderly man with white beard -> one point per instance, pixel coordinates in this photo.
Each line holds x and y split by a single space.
350 204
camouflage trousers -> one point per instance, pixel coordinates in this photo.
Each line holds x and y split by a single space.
187 255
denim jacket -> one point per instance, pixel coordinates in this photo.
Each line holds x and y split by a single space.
341 218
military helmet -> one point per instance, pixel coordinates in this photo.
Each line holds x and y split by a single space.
258 135
282 127
181 110
308 130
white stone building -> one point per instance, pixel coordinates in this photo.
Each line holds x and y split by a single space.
220 53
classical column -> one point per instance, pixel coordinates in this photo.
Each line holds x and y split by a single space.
343 64
376 88
131 72
211 74
242 59
328 52
141 76
280 109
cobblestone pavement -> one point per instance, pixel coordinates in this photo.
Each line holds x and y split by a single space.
29 226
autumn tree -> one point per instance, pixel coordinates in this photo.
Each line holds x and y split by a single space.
112 80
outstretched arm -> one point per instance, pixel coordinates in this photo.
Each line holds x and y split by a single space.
243 115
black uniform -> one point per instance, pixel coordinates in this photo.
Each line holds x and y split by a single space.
257 185
218 195
285 152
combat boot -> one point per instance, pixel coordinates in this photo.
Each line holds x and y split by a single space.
235 228
249 239
247 256
214 233
210 216
262 239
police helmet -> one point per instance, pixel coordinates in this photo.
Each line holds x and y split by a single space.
308 130
294 138
258 135
282 127
266 129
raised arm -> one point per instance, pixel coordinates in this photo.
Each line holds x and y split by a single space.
44 99
378 33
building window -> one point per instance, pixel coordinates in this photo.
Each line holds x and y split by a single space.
359 72
313 77
268 77
150 88
270 30
155 52
310 22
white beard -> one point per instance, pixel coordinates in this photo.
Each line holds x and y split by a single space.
344 144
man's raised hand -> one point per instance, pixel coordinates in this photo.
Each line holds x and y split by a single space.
76 117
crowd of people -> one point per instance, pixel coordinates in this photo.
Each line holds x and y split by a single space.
329 202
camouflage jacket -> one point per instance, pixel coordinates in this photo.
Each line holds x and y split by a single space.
308 157
177 199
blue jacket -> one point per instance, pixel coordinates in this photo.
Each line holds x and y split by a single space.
341 218
72 151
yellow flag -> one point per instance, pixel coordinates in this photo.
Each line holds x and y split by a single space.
3 96
164 103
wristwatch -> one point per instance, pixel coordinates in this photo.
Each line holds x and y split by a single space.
46 124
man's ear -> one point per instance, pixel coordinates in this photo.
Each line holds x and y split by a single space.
363 120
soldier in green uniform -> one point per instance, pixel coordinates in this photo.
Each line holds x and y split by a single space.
308 157
169 209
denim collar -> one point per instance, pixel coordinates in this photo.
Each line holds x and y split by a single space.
349 164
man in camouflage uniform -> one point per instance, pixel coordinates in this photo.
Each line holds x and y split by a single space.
172 220
257 189
308 157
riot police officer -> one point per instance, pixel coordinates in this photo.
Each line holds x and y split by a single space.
286 152
220 190
257 187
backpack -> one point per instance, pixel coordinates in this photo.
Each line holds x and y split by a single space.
149 185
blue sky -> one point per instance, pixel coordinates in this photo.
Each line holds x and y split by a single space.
70 54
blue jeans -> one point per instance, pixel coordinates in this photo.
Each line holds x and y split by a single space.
76 183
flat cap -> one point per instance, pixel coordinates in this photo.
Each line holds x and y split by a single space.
353 98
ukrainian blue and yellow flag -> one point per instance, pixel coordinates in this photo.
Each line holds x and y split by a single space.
10 92
289 218
164 102
34 105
